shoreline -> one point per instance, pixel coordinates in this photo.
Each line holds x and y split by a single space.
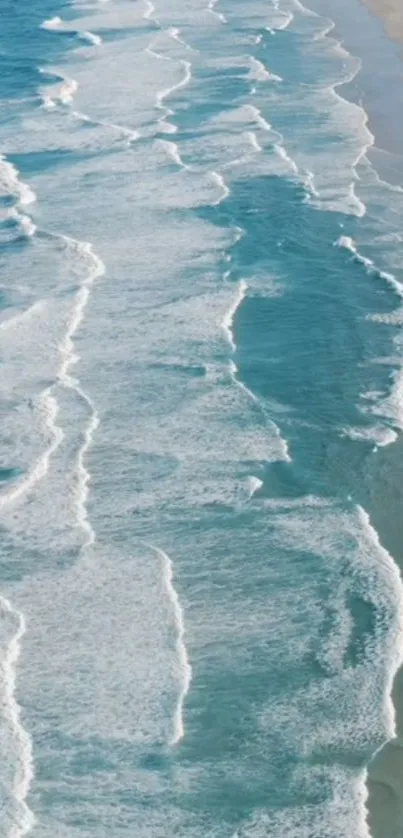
385 770
374 81
376 39
391 14
378 84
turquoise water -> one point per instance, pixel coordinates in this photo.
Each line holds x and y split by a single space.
200 350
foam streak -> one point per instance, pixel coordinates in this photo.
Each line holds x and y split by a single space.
91 37
166 126
70 358
228 319
10 184
219 15
185 668
348 243
49 408
219 180
150 8
173 153
11 709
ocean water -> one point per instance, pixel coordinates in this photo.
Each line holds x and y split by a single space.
201 410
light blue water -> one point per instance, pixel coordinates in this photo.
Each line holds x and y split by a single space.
200 354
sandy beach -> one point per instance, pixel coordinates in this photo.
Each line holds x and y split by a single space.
391 11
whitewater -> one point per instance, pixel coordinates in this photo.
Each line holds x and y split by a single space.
201 613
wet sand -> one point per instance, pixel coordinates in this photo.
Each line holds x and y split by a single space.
391 12
385 772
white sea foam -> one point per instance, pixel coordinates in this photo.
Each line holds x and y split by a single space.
91 37
25 223
381 436
185 668
348 243
49 409
373 576
63 91
304 10
306 501
166 126
10 184
56 24
224 190
355 202
227 326
211 8
259 72
67 90
52 23
280 22
11 322
48 103
47 404
25 771
258 118
254 142
243 831
391 405
350 68
172 150
150 9
130 134
254 484
151 51
396 642
310 183
174 33
283 154
228 319
67 350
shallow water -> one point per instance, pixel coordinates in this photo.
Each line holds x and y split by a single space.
201 397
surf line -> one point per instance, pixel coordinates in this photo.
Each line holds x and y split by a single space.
49 407
22 195
56 24
130 134
211 9
64 93
349 244
25 772
227 324
175 33
150 9
173 153
19 190
391 570
165 126
8 666
181 651
228 319
47 403
96 269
